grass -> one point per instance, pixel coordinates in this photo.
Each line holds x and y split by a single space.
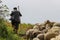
22 29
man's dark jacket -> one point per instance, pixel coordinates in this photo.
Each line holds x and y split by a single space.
16 15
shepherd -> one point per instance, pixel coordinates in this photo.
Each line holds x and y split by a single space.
15 19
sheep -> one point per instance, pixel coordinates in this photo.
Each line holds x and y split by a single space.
55 29
48 36
40 36
46 31
35 33
36 27
52 33
49 24
53 39
29 33
41 28
36 38
56 38
47 21
56 24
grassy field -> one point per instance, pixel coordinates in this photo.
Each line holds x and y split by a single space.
6 31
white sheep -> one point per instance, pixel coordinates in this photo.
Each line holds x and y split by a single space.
36 38
53 39
39 26
56 38
36 27
56 24
54 31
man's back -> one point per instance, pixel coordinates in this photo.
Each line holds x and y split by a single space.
16 15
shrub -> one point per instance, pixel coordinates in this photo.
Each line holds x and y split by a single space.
6 33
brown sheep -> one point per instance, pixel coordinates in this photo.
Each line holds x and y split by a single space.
29 33
35 33
40 36
48 24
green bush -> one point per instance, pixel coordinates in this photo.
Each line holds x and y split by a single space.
6 33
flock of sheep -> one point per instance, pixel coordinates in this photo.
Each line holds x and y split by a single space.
44 31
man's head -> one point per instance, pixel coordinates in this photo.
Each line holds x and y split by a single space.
15 8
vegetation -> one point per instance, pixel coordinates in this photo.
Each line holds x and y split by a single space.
6 30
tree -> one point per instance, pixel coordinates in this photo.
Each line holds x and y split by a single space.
0 1
4 10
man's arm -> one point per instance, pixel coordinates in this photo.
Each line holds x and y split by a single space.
20 14
11 13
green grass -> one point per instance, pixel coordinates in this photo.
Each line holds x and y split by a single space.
6 30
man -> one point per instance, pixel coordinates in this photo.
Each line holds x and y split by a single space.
15 19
